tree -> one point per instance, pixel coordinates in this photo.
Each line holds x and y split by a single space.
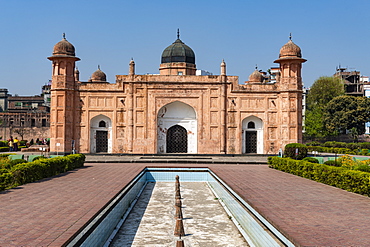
345 113
314 123
21 132
323 90
321 93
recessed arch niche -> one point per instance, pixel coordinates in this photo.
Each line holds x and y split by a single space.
177 113
252 135
101 134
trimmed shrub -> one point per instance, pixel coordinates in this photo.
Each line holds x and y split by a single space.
364 145
331 150
22 143
363 168
315 148
332 163
313 143
362 148
17 161
290 151
350 180
329 144
363 152
4 149
3 143
5 178
43 168
353 146
38 157
12 163
6 155
340 145
334 144
311 159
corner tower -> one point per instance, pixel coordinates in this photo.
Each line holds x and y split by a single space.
290 60
290 92
178 59
64 113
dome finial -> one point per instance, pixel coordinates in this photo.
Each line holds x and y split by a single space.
64 48
98 76
290 49
178 33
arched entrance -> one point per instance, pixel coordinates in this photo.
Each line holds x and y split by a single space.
177 129
177 140
252 135
100 134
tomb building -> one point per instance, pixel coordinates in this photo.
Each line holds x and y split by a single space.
175 111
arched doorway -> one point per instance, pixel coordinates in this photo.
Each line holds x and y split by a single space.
252 135
177 140
177 120
100 134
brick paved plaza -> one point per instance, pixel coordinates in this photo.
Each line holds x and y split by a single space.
49 212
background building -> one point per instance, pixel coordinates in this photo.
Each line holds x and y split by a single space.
353 84
26 117
367 94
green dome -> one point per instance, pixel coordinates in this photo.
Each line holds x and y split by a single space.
178 52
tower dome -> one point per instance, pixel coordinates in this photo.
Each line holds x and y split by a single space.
290 50
64 48
98 76
256 76
178 52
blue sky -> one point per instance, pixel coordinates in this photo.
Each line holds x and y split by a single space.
243 32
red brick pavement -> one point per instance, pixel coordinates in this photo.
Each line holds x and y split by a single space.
306 212
49 212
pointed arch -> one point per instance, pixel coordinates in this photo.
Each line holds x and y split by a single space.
252 135
182 115
177 140
101 134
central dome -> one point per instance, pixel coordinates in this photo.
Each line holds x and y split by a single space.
178 52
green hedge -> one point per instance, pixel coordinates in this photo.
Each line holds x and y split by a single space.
5 179
6 155
359 148
311 159
290 150
331 150
3 143
4 149
39 169
350 180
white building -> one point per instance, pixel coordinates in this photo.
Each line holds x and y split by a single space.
367 94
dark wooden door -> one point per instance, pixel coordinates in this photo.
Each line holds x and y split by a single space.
251 141
177 140
101 141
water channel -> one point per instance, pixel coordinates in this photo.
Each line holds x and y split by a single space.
142 214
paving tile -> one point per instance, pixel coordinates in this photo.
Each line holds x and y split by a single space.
309 213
